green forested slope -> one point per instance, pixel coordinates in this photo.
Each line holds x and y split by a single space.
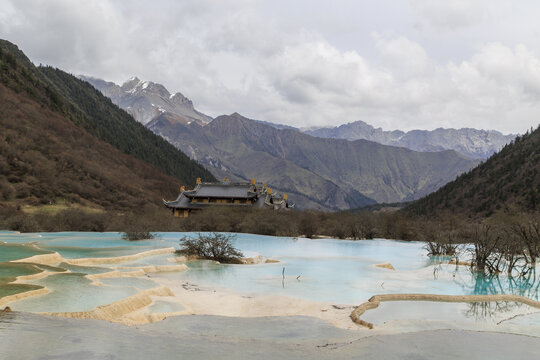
508 179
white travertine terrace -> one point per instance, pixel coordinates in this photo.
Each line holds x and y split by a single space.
117 311
120 259
374 302
8 299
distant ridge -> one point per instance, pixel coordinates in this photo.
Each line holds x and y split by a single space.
476 144
509 179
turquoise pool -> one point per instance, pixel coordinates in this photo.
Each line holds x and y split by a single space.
338 271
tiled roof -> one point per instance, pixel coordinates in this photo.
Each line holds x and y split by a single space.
227 191
233 191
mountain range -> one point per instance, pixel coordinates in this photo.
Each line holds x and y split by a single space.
319 173
476 144
146 100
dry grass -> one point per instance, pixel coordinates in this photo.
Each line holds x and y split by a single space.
56 208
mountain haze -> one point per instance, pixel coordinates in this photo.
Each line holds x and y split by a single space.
477 144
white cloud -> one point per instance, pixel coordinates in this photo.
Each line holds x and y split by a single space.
518 67
233 55
403 56
451 14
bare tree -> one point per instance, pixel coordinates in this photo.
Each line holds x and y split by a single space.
485 255
215 246
528 231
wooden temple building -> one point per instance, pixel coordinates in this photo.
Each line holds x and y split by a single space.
226 193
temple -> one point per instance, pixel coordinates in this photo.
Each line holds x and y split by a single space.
226 193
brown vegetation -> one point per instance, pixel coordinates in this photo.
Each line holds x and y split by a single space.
45 159
507 242
514 236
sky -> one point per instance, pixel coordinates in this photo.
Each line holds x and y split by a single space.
401 64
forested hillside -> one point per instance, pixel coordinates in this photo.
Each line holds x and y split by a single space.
85 106
508 179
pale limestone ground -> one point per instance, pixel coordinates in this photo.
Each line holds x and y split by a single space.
208 301
28 336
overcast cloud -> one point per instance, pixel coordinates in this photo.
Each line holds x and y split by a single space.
395 64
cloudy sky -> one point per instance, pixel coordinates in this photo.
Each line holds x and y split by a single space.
395 64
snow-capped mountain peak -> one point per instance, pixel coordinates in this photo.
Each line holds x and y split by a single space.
146 100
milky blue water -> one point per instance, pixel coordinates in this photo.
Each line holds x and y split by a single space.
16 252
8 271
72 292
338 271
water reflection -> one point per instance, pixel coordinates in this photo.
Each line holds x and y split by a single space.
525 285
482 311
476 283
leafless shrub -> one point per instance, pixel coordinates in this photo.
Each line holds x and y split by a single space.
214 246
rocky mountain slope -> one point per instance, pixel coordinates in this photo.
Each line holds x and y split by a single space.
328 173
63 141
508 179
145 100
477 144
